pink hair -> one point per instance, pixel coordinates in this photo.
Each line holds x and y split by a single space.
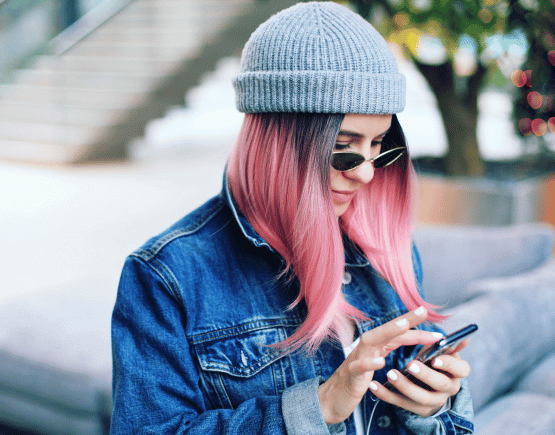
278 174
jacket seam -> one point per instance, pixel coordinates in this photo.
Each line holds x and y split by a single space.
255 325
148 253
169 281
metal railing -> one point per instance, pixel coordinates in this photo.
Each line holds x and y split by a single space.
26 26
34 27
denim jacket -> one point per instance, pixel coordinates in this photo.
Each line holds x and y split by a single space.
196 309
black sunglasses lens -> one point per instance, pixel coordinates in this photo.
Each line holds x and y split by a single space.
346 161
388 157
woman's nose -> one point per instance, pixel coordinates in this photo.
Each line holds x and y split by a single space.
362 174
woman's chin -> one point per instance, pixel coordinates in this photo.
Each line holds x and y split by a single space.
341 208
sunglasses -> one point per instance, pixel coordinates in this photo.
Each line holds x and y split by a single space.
347 161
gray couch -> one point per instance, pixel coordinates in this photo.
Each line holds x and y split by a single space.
503 279
55 357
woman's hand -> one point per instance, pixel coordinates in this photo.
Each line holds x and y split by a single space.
343 391
444 379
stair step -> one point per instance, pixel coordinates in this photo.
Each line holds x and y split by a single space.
171 20
58 114
184 8
105 35
106 65
39 152
77 106
85 80
152 50
145 5
65 135
95 98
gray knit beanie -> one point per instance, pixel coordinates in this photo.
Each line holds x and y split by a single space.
318 57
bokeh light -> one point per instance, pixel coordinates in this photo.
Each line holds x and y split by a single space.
539 127
535 100
551 57
401 19
485 15
525 126
551 124
518 77
528 73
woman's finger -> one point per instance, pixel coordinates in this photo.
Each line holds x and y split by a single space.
437 381
414 337
362 366
461 345
385 333
413 398
452 364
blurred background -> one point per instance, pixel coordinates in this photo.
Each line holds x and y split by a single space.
116 119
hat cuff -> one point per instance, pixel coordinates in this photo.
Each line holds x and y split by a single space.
320 92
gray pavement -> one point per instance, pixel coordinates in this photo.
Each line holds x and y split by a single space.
61 225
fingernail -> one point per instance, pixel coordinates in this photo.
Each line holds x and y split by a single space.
437 334
373 386
379 360
413 368
419 311
401 323
437 363
392 375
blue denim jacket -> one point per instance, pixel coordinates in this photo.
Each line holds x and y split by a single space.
197 307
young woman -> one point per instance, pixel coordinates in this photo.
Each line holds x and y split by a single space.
284 304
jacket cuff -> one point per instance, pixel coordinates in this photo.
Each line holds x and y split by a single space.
456 421
302 413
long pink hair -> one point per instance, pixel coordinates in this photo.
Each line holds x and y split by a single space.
279 176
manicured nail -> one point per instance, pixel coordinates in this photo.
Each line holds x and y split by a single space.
373 386
419 311
392 375
401 323
437 334
379 360
437 363
413 368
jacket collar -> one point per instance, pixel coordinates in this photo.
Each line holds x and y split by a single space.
244 224
353 255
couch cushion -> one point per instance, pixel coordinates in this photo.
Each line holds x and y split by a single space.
516 330
541 379
517 414
454 256
541 276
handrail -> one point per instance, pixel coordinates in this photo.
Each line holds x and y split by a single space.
85 25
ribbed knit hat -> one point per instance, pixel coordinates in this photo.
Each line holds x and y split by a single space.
318 57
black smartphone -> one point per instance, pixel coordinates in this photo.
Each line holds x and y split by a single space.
446 345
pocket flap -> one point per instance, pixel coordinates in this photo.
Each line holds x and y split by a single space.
242 354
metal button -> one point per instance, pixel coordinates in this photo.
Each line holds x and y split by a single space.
383 421
346 278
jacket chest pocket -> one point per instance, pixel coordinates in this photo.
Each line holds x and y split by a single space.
241 365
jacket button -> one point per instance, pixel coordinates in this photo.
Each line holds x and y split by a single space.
346 278
383 421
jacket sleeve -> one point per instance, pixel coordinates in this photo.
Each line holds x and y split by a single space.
156 382
457 419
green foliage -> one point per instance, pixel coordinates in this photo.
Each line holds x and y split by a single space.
534 102
446 19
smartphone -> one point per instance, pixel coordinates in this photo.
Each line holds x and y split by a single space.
446 345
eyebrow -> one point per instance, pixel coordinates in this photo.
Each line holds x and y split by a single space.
355 134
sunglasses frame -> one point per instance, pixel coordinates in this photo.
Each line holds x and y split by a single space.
372 160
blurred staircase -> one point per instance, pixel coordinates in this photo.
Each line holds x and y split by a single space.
98 91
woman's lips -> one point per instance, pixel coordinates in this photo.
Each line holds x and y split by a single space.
343 195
